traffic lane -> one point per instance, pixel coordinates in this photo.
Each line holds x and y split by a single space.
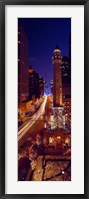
33 131
35 117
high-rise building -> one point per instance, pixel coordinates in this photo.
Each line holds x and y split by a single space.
23 59
66 70
67 98
70 48
33 84
66 82
57 77
41 86
51 86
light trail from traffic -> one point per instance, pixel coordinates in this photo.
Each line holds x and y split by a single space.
34 118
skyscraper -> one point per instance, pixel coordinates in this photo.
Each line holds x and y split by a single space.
34 90
66 70
23 89
51 85
41 86
57 77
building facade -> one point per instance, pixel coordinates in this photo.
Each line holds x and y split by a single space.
23 89
51 86
34 91
41 86
66 70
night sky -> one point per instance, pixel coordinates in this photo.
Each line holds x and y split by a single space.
43 35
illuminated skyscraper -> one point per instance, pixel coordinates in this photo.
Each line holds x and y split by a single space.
57 77
23 86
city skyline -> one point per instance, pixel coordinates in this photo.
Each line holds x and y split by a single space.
44 115
45 34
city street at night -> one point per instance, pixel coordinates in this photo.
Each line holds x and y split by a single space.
48 151
44 99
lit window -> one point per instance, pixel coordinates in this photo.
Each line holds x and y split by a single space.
51 139
58 137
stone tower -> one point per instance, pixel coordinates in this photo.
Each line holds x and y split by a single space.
58 117
57 77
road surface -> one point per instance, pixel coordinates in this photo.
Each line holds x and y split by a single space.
22 132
